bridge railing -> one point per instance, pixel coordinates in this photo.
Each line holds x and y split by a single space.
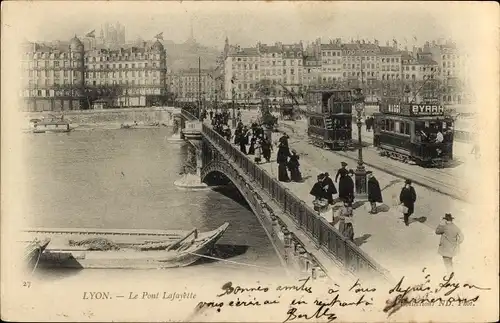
319 230
188 115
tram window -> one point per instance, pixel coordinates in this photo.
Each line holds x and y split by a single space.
381 122
396 126
407 128
391 125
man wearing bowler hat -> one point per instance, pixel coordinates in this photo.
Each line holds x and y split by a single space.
374 192
407 197
451 238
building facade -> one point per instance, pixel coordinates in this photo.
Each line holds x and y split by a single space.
331 62
380 70
71 78
192 85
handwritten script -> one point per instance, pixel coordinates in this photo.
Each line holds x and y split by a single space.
446 292
304 300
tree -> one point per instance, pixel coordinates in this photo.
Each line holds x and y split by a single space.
106 92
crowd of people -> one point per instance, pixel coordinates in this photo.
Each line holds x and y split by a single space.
252 140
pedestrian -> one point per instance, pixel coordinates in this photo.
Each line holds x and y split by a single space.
330 188
266 149
253 138
344 187
258 150
242 140
407 199
345 221
374 192
319 193
284 139
293 166
451 238
282 160
211 114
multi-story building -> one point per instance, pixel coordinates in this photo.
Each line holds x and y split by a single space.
331 62
242 70
311 74
390 64
65 79
293 67
419 68
193 84
379 70
53 77
453 71
271 63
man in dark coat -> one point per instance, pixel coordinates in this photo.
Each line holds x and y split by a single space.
374 192
330 187
318 190
408 197
266 149
451 238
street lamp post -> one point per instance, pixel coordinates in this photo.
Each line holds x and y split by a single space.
233 120
360 173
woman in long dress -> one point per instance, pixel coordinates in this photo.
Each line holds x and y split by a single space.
293 166
251 150
282 160
266 149
258 150
345 187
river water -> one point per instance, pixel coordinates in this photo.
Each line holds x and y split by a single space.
124 179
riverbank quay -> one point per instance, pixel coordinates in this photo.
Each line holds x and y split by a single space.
456 181
98 118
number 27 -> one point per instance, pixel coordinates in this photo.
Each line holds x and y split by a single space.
27 284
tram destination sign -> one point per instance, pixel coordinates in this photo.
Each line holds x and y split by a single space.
413 109
427 110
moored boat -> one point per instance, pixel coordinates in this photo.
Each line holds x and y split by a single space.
125 249
34 250
51 125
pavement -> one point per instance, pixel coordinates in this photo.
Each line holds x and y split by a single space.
384 237
456 180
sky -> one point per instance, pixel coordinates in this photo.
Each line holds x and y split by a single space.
246 23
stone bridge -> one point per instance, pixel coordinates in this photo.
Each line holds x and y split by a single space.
305 241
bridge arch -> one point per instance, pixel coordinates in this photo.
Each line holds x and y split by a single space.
269 221
221 167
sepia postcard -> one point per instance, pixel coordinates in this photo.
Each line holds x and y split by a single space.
249 161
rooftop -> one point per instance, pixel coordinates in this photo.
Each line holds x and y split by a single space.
243 52
331 46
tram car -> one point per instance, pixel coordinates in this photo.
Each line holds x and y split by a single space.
410 133
329 118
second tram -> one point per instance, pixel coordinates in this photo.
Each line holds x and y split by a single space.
414 133
329 116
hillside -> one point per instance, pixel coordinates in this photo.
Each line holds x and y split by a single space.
185 56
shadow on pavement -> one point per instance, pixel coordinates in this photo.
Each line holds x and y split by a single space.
358 204
421 219
361 240
383 208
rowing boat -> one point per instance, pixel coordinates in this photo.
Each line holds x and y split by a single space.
33 251
124 249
